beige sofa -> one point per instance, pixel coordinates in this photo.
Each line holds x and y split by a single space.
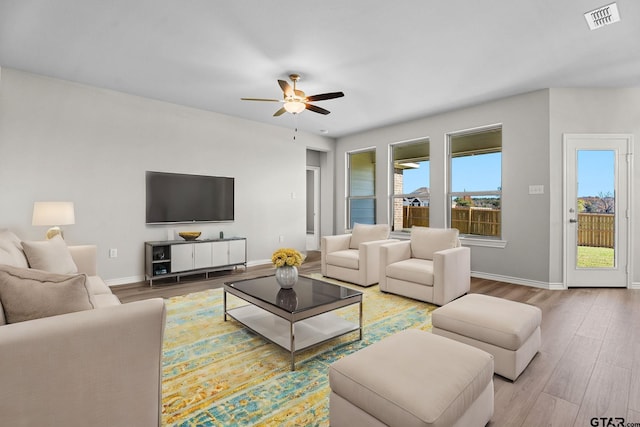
94 367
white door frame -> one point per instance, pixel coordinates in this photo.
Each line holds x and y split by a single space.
313 241
569 146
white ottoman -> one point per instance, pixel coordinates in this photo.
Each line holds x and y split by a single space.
412 378
507 329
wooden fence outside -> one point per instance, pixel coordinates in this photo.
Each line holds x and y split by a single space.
483 222
478 221
415 215
596 230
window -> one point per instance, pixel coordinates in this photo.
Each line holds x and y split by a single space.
475 182
361 198
410 197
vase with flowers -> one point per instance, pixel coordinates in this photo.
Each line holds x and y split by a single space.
286 261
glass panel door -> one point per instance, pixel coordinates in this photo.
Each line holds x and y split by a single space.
597 197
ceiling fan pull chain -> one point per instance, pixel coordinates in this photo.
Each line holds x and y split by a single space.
295 125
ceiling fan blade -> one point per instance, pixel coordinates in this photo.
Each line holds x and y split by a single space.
299 93
324 96
279 112
316 109
286 88
261 99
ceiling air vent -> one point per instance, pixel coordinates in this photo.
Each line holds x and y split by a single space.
602 16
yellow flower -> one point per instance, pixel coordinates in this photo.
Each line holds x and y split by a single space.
286 257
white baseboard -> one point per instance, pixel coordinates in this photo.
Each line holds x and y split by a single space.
124 280
534 283
517 281
134 279
258 262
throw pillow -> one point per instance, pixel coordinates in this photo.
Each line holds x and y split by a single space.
11 250
28 294
425 241
368 233
50 255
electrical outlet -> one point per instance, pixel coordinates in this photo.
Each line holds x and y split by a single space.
113 253
281 239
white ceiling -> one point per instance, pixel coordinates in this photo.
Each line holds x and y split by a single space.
394 60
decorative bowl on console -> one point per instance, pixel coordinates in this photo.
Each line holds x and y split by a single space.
189 235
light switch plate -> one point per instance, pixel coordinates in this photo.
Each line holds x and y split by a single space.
536 189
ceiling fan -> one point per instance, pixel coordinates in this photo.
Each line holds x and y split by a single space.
295 101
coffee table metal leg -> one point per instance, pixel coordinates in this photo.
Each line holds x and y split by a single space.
224 307
360 320
293 349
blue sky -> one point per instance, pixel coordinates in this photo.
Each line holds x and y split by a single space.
415 178
595 173
465 177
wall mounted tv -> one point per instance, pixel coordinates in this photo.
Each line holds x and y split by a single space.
182 198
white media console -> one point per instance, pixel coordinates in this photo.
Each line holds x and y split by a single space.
175 258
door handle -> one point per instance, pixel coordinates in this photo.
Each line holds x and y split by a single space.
573 220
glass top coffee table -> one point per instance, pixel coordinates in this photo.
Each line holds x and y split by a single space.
294 319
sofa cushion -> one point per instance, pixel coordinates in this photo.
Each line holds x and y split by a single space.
413 270
348 258
11 250
104 300
425 241
50 255
368 233
97 286
28 294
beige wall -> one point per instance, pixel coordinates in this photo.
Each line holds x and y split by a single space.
66 141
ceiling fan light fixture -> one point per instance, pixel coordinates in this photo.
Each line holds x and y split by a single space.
294 106
296 101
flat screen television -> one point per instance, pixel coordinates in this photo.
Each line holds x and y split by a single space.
182 198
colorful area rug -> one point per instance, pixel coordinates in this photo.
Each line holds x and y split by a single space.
217 373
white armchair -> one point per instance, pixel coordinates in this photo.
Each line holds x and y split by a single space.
354 257
431 267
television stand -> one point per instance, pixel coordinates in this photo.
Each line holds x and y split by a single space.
176 258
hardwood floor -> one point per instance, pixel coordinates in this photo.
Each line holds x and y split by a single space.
588 366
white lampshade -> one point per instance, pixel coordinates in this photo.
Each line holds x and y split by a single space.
53 213
294 106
